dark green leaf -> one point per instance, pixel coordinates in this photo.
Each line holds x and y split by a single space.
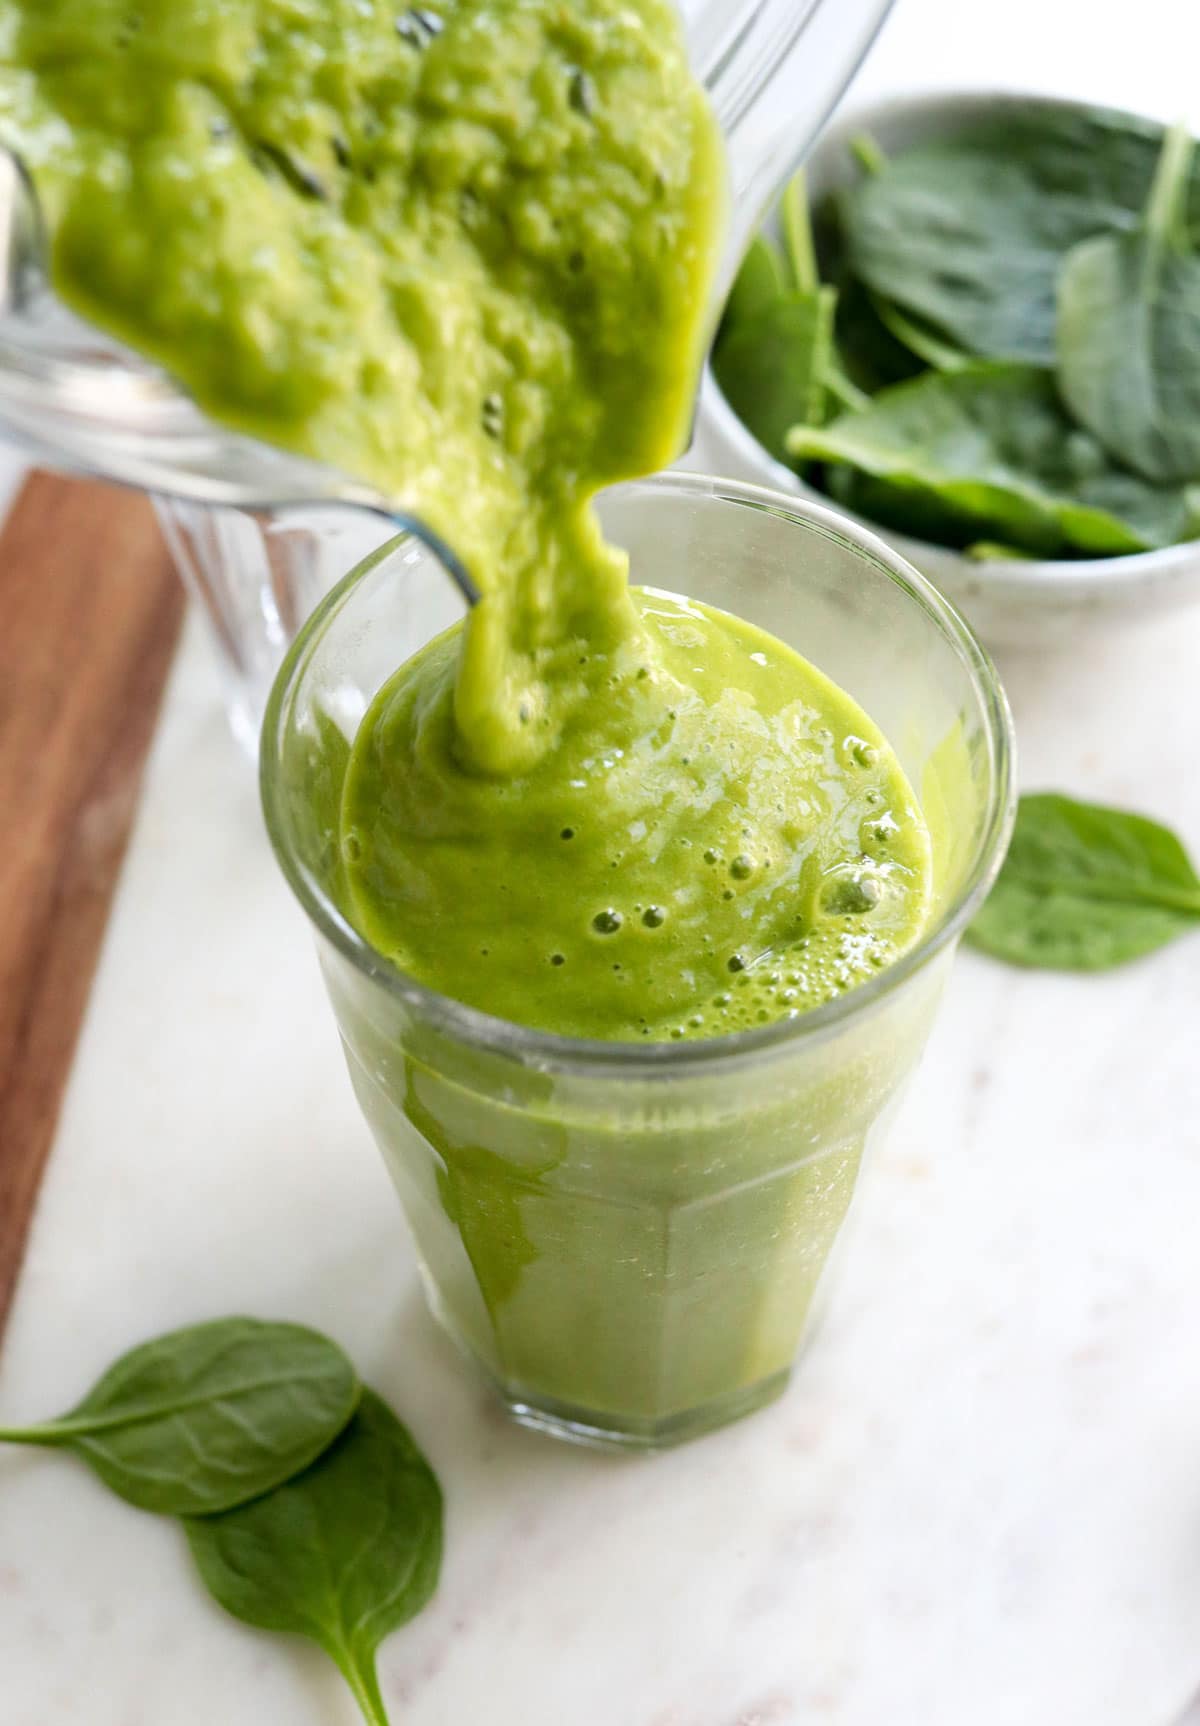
1129 332
1085 887
920 339
344 1554
825 219
968 231
870 355
208 1417
773 370
867 353
988 453
760 282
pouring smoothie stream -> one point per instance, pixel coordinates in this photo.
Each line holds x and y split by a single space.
466 252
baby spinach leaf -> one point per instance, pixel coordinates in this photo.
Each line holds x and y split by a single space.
968 231
988 453
870 354
208 1417
1129 331
774 357
772 371
760 282
840 387
1086 887
920 339
344 1554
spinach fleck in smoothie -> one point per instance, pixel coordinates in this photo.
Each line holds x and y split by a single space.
466 252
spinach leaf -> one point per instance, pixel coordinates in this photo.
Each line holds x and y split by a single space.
988 453
773 370
344 1554
841 388
869 353
208 1417
1129 331
968 231
760 281
920 339
776 357
1085 887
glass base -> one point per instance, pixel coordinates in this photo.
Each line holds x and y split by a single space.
597 1429
598 1432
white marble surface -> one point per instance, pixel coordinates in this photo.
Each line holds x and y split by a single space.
981 1500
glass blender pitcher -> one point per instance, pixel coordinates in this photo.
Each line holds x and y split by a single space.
774 70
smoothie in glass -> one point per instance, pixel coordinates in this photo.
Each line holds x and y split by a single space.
467 252
628 1233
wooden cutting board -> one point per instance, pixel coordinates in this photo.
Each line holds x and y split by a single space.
90 610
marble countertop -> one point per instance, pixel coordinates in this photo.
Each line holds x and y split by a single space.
980 1501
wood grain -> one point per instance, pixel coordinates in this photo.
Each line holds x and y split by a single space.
89 617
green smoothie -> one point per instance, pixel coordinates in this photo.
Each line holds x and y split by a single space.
462 251
720 838
466 252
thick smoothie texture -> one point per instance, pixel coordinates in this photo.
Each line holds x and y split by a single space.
462 251
720 839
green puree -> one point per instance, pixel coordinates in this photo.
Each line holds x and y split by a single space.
465 251
461 251
721 838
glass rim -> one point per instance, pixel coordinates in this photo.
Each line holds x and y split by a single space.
552 1051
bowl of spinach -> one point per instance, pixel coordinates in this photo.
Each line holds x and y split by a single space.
974 325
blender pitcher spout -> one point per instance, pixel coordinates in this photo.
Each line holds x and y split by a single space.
774 71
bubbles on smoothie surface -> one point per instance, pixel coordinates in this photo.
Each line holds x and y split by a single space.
852 889
703 854
858 752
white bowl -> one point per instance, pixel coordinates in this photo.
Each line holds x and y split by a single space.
1016 604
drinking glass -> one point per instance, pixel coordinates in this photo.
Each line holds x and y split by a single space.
627 1238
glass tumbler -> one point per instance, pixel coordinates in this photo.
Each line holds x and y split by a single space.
628 1238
